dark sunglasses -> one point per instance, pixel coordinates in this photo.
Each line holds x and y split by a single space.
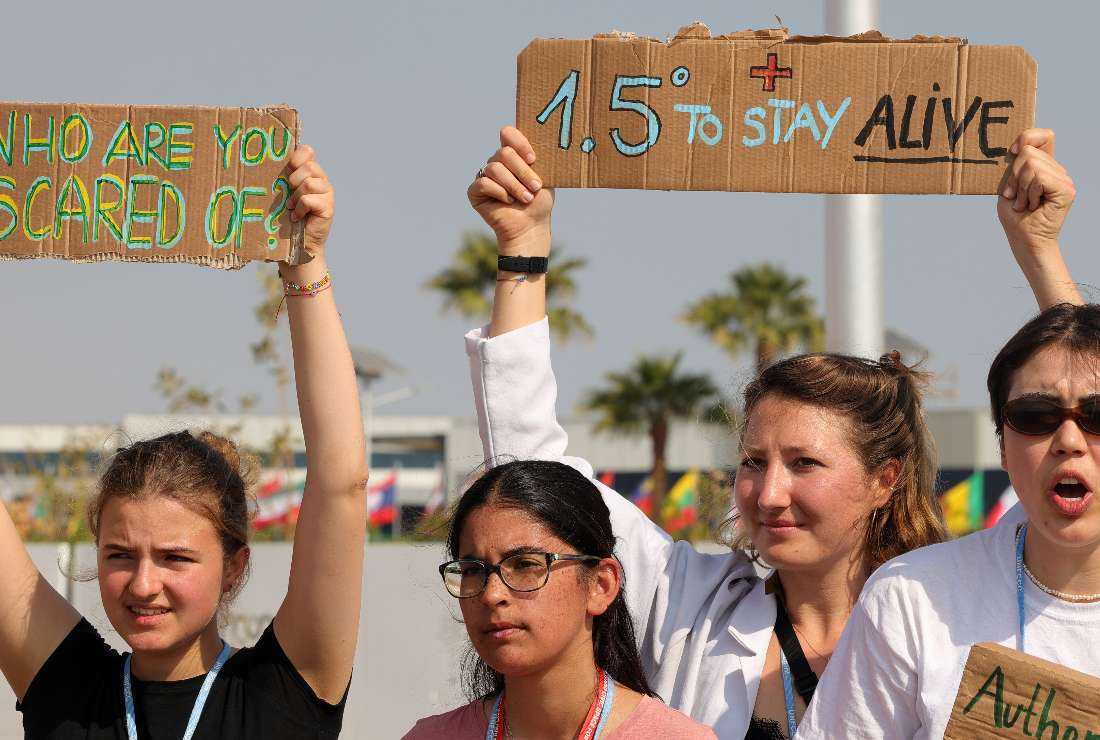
1038 416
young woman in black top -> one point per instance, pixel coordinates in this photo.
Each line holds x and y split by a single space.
171 523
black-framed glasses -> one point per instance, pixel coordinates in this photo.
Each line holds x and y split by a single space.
525 571
1036 417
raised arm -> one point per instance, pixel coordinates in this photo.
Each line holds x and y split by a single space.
509 196
1032 207
34 618
318 622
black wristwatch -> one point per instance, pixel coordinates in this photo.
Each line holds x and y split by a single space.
527 265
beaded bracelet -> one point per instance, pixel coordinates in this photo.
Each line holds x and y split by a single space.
294 290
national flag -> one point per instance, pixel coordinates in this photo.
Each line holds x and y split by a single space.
1006 501
438 496
607 477
382 501
679 509
279 497
642 496
964 503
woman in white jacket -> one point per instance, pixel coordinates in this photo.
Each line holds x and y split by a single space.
836 477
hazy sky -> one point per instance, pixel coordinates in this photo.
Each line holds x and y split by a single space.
402 100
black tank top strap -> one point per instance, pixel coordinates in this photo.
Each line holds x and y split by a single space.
805 680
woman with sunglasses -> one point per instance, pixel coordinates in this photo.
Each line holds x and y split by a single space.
542 597
1031 585
836 477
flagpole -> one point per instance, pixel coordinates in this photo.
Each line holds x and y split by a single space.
853 233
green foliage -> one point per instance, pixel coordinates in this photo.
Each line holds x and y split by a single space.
646 398
652 391
765 310
468 283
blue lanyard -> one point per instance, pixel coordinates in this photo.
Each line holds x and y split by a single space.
196 711
788 693
1020 536
494 719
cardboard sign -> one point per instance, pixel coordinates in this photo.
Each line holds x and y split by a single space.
760 111
144 183
1005 693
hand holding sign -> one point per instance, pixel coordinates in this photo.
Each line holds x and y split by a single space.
311 200
508 195
1037 194
1035 198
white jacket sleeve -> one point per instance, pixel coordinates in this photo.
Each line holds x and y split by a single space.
515 395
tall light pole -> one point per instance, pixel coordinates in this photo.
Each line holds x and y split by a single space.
370 367
853 233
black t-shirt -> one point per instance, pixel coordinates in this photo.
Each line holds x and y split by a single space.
258 694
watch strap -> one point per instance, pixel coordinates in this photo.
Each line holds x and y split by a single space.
527 265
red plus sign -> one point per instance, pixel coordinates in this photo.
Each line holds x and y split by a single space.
770 72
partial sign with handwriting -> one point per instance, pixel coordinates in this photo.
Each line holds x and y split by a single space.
1006 693
762 111
144 183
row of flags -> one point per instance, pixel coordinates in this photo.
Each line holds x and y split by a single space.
680 509
974 503
972 500
280 499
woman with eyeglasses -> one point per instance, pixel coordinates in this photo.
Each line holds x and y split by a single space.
542 597
836 475
1031 585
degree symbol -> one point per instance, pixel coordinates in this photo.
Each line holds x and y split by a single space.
680 76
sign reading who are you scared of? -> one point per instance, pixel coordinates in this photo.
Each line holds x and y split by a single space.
762 111
145 183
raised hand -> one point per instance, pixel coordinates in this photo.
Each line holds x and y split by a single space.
1033 204
509 196
311 198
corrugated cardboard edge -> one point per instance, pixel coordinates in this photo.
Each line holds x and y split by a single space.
297 255
226 263
700 31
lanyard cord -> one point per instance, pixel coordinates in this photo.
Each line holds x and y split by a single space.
788 694
1020 536
593 725
196 711
801 677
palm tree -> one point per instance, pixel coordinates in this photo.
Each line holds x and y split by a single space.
646 398
765 309
468 284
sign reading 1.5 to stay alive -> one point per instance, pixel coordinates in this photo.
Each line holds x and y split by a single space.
761 111
159 184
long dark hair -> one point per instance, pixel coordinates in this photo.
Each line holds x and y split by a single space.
570 506
1077 328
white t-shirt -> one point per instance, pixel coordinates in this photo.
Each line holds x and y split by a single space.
898 665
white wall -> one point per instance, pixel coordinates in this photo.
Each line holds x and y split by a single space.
409 640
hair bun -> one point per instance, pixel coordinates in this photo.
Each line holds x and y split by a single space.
240 461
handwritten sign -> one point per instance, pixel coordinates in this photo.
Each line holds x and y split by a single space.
1005 693
144 183
761 111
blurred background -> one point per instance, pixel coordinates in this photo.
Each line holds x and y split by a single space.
402 101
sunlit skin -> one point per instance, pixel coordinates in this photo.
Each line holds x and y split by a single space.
805 498
156 553
1063 547
802 491
541 641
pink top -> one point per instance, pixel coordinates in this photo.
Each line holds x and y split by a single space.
650 719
